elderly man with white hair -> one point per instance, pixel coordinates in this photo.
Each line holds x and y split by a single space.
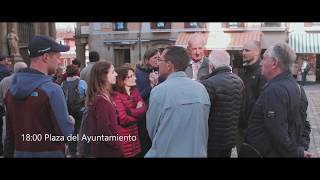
6 82
226 92
198 66
277 124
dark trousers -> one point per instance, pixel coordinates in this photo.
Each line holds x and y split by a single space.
304 78
218 153
73 144
144 138
1 128
241 136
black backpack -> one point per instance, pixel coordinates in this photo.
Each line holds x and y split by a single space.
82 145
72 96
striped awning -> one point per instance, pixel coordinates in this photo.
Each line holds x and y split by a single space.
221 40
305 42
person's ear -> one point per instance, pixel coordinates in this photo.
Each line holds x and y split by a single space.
275 63
45 57
170 66
257 53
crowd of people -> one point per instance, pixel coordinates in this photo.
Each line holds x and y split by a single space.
174 103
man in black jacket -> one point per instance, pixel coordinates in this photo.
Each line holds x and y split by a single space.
253 82
277 126
226 92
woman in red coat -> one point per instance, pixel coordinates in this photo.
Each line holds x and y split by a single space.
102 112
131 109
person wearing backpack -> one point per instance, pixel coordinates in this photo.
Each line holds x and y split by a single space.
74 90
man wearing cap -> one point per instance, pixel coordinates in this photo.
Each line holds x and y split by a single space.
4 72
37 121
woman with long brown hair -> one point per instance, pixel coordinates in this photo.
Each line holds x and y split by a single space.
101 110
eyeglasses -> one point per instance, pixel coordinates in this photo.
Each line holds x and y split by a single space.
132 75
160 60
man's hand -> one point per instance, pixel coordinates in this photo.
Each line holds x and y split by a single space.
139 105
72 119
308 154
153 77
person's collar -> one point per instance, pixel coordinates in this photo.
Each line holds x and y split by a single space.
92 62
193 62
282 75
177 74
31 70
72 78
221 69
255 64
216 71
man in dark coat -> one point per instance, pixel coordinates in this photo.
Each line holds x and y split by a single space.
226 92
277 126
253 82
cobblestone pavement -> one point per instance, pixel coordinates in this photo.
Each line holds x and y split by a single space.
313 94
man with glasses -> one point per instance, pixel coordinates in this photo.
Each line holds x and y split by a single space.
177 119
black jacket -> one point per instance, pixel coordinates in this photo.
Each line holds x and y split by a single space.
4 72
226 92
253 82
143 83
277 125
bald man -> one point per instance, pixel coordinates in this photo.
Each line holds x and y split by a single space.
198 66
253 81
226 92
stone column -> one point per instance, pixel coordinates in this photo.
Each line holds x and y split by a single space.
52 30
81 43
3 39
80 52
44 29
36 28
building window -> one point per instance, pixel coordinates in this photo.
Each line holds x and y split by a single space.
120 26
311 24
271 24
25 32
106 25
316 23
194 25
233 25
160 25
